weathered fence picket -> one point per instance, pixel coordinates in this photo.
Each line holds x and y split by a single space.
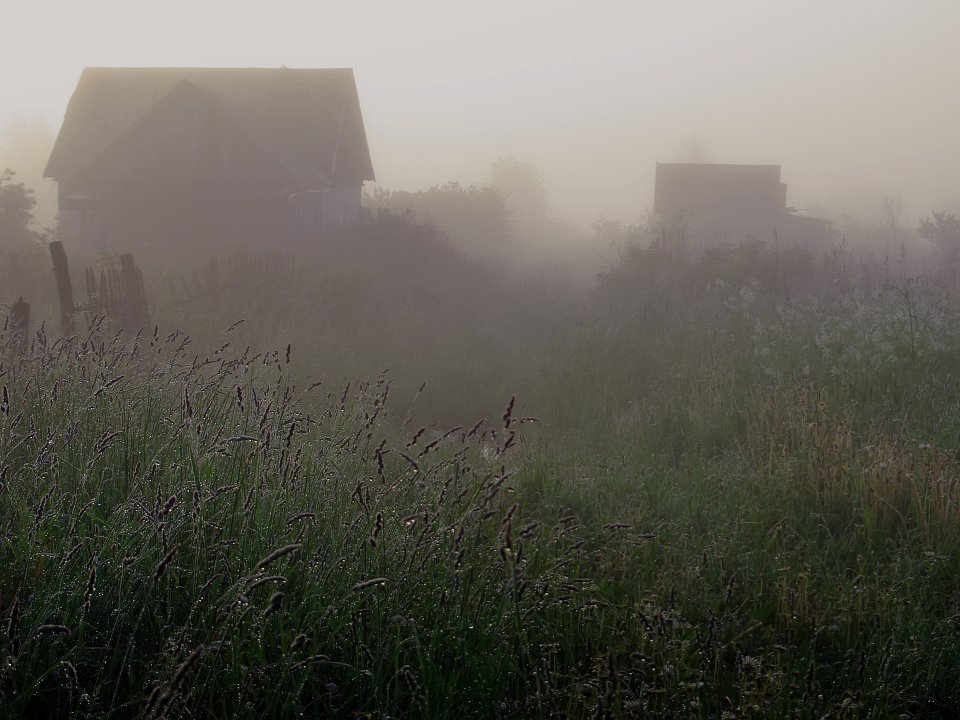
61 271
117 293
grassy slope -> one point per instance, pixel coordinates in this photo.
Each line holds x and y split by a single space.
743 508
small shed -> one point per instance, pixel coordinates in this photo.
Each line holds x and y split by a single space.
726 203
164 161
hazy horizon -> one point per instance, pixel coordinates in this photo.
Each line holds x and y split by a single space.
853 101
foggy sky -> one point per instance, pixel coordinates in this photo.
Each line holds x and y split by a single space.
855 99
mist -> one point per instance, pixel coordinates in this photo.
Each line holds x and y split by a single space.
853 101
507 360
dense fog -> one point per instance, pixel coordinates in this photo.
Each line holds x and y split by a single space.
853 100
519 359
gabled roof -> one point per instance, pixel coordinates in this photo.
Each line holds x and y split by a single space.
309 120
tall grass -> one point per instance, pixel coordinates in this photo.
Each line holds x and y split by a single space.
187 531
737 503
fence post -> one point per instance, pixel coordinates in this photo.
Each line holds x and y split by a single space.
64 289
136 303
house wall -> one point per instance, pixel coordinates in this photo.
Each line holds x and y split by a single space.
173 163
716 204
342 205
185 141
78 229
186 183
170 229
307 216
716 189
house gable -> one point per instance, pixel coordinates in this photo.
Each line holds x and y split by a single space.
178 160
724 203
309 119
190 139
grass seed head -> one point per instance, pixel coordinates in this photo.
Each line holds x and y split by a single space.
276 602
508 413
257 582
167 559
372 582
52 630
277 554
91 585
377 529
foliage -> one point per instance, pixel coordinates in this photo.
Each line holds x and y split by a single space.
16 213
388 292
188 532
523 189
25 147
24 267
740 499
943 230
474 217
505 221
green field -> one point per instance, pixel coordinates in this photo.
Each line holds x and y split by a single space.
723 490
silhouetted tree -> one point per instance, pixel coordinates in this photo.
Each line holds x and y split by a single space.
943 230
475 217
893 213
525 195
16 213
25 146
23 261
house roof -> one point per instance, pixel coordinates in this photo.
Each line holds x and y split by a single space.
308 120
719 187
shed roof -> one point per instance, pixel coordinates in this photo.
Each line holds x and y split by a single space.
309 119
719 187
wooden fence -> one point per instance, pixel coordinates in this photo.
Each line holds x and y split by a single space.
241 272
117 293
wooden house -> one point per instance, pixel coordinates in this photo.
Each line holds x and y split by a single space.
163 161
726 204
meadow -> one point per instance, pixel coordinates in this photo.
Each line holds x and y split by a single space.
395 482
